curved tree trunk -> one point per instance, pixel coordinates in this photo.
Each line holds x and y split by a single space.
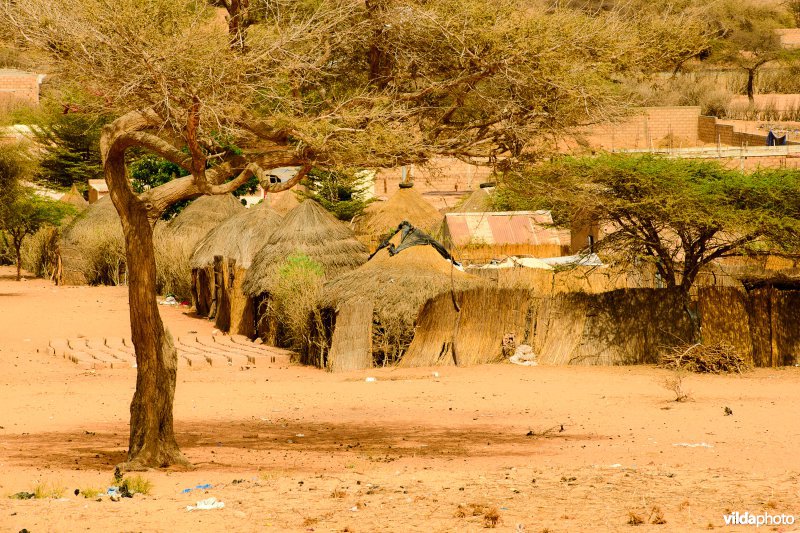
152 438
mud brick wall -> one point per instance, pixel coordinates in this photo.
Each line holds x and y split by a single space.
18 87
710 131
650 127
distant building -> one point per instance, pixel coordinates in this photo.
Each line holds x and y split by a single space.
97 189
481 237
19 87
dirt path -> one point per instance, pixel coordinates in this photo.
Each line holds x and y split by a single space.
296 449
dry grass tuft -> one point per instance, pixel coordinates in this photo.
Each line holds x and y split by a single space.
491 518
338 493
47 490
635 519
718 358
491 515
90 493
657 516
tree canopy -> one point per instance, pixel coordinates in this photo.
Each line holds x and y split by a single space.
22 211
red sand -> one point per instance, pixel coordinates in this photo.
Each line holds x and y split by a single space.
399 454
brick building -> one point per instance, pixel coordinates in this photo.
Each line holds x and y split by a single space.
19 87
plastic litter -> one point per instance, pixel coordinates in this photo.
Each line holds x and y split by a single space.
169 300
524 356
204 486
207 504
694 445
370 379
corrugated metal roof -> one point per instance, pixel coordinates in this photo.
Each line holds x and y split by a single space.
508 227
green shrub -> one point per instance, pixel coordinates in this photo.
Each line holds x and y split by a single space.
295 295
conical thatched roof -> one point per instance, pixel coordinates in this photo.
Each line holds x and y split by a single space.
93 246
405 204
311 230
284 202
203 215
238 237
75 199
175 241
480 201
398 285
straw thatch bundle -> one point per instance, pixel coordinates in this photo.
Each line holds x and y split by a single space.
309 229
380 219
388 292
203 215
75 199
238 237
93 247
175 241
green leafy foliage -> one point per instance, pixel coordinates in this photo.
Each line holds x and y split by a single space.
678 214
149 171
342 193
25 213
297 289
71 148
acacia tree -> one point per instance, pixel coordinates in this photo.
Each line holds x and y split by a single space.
748 40
679 215
323 83
24 214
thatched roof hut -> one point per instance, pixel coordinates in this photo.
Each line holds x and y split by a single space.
219 265
313 231
75 199
383 298
381 218
238 237
93 247
176 240
203 215
479 201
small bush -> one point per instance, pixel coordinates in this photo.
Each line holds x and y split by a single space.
40 252
674 383
491 518
135 485
295 295
6 250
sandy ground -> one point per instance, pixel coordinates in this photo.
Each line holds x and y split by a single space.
297 449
